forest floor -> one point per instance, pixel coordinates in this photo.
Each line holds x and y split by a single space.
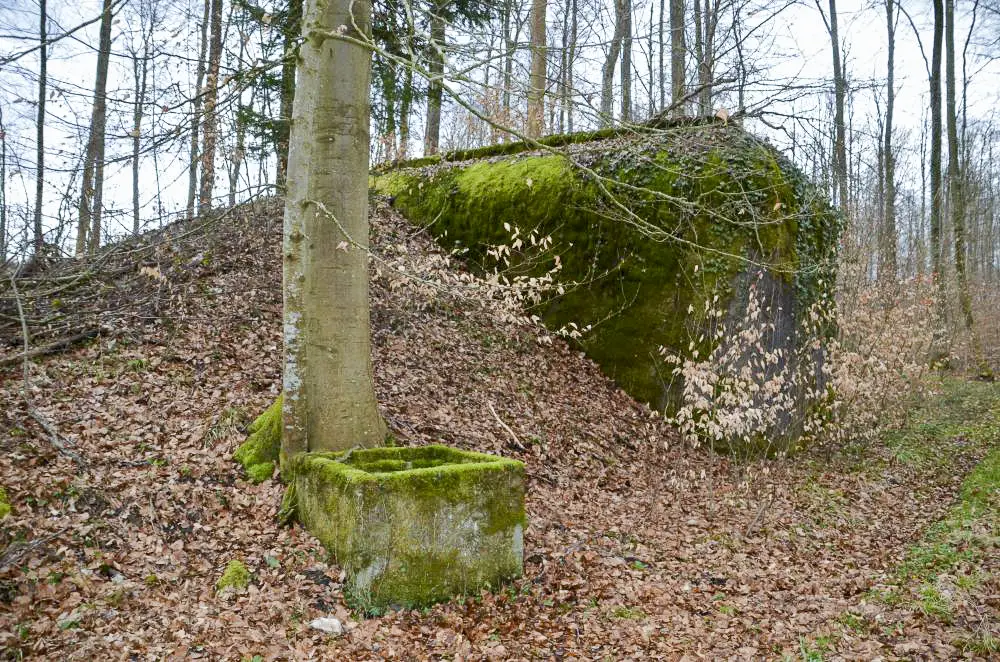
638 547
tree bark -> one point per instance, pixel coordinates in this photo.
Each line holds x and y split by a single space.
43 79
937 199
329 401
210 127
88 234
626 72
956 183
140 72
840 164
699 52
435 91
662 74
292 28
890 247
196 105
539 56
608 71
678 55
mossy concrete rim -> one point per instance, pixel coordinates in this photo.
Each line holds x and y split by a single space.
413 526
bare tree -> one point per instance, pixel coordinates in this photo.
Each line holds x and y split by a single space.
539 58
610 60
678 55
43 79
329 399
196 104
210 126
436 48
890 247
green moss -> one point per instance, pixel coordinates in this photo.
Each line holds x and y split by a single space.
412 526
259 453
4 504
235 576
712 197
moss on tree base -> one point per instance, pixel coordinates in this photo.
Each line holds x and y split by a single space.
414 526
259 453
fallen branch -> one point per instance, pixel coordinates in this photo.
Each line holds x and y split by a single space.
517 442
50 348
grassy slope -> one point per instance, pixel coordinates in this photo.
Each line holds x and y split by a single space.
944 579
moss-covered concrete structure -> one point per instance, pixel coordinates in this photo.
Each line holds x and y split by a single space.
413 526
649 226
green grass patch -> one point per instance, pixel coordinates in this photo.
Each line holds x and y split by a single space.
965 414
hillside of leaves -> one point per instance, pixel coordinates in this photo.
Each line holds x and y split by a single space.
127 507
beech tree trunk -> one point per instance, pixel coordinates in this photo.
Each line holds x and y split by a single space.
937 199
435 91
329 400
956 184
210 127
536 86
43 79
839 92
608 72
626 73
140 74
678 55
88 234
196 105
890 248
292 28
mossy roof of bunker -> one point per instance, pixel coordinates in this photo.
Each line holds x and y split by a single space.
686 136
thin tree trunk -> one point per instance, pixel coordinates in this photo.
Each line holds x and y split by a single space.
937 199
329 399
432 134
608 72
405 101
88 209
196 104
570 60
292 28
508 64
699 53
662 76
539 57
626 72
139 73
956 184
43 79
678 55
706 69
890 247
210 127
840 164
3 190
88 235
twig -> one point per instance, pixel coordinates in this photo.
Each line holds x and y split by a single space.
17 549
517 442
759 517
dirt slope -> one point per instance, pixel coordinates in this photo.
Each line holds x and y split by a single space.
638 548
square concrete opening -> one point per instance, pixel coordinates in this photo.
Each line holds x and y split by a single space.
414 526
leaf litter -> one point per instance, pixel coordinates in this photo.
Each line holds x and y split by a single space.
638 547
